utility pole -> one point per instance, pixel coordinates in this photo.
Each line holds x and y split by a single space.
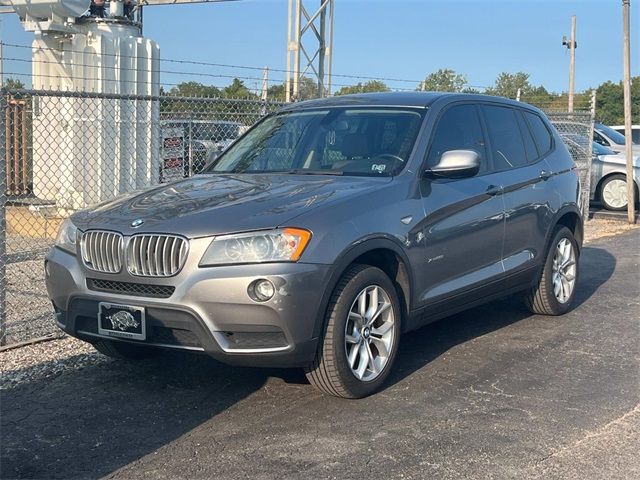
518 93
1 65
631 204
571 45
264 90
1 58
265 84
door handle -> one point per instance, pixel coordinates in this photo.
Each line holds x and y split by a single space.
494 190
545 174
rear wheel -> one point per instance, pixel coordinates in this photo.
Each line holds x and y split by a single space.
123 350
361 336
555 291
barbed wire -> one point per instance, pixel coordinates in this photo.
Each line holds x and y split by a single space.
247 67
171 84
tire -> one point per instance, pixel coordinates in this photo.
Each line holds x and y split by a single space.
123 350
331 371
543 298
609 194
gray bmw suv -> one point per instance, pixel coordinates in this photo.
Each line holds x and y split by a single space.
325 232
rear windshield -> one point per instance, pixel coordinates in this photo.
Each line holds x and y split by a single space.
349 141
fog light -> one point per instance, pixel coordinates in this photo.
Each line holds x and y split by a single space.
262 290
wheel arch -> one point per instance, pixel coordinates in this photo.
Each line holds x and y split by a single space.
382 252
570 217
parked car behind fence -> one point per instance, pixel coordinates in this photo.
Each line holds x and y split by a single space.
201 140
635 132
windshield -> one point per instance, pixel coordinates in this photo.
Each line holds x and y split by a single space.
601 149
614 136
357 141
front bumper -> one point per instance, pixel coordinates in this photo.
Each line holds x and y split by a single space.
205 309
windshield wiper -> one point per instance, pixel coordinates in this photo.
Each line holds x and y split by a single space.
304 171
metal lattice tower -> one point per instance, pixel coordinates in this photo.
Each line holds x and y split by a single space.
315 61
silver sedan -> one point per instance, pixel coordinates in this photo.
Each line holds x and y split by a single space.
609 177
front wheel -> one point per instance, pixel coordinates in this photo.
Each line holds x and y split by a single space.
361 336
613 192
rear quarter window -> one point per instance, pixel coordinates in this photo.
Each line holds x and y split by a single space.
527 137
540 132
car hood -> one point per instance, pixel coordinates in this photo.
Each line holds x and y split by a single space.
619 159
223 203
621 148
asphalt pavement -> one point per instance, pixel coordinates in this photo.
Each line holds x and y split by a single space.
494 392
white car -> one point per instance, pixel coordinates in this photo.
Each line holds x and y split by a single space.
635 132
608 137
609 177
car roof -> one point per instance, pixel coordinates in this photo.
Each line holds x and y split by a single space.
395 99
187 120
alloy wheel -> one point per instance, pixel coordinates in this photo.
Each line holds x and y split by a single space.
564 270
369 333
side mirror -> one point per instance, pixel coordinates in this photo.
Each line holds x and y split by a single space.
455 164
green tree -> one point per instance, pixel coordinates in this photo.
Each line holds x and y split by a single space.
276 92
610 102
507 85
194 89
444 80
367 87
307 89
13 84
237 89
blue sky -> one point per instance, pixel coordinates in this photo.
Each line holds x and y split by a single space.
394 38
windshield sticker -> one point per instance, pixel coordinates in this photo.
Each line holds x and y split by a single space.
378 168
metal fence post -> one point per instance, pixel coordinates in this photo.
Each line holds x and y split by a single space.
3 222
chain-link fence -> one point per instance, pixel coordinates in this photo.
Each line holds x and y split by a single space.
66 151
576 129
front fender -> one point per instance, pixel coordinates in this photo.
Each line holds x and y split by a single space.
348 256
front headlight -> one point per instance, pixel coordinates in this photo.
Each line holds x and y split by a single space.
282 245
67 235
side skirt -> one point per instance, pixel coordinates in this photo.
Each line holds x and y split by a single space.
513 283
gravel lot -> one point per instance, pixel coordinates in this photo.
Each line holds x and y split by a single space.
491 393
29 313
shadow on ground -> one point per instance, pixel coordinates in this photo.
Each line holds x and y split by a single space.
93 421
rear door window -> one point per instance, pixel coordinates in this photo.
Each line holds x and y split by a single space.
507 147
